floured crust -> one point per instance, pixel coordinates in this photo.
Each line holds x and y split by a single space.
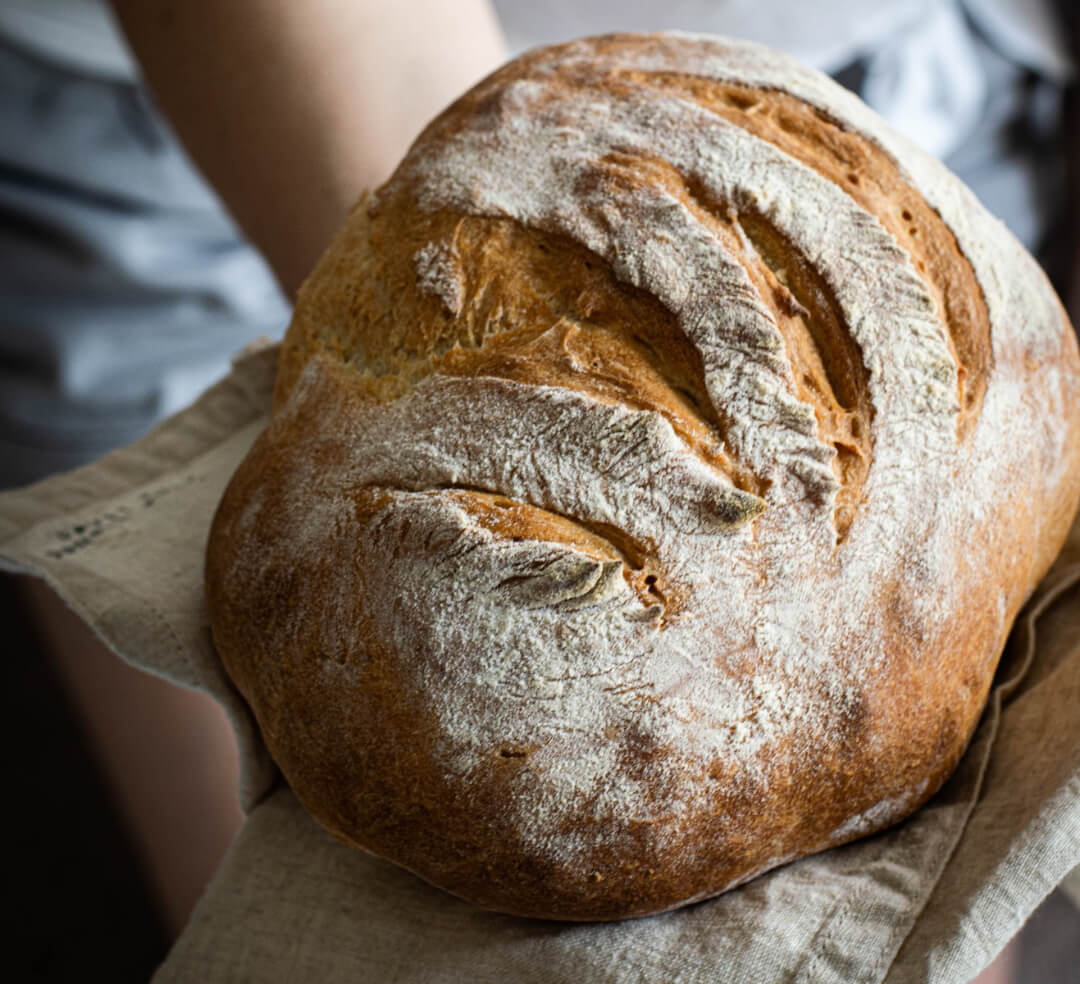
659 461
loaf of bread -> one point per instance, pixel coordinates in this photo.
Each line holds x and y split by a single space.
658 463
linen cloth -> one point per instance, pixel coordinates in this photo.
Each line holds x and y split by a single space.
932 899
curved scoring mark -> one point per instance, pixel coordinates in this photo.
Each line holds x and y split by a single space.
868 175
712 73
580 162
573 325
826 363
601 552
581 329
827 367
559 449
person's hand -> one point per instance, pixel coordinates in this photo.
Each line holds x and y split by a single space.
292 109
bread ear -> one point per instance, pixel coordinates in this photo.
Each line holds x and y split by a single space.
565 581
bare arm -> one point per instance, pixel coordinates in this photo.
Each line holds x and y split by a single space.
292 108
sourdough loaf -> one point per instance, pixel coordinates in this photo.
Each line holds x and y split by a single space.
658 462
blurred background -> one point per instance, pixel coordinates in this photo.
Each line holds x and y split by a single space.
168 172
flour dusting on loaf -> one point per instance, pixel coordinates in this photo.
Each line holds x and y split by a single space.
659 461
436 274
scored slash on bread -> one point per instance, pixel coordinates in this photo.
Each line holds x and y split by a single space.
658 462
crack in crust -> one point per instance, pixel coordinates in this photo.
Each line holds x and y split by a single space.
869 176
637 560
531 304
489 331
825 363
571 324
851 160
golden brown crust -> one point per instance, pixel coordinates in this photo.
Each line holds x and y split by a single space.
615 538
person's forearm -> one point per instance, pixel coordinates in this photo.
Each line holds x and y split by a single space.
292 108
